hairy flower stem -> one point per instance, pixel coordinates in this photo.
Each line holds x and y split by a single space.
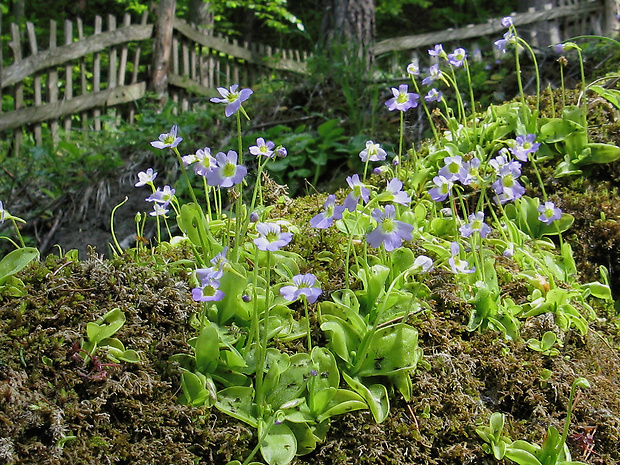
262 345
579 382
400 144
268 427
189 184
119 250
471 97
426 110
309 338
537 73
19 234
239 202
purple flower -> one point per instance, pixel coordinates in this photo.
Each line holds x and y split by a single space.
146 177
271 238
500 160
303 284
549 213
506 21
332 212
434 74
457 58
501 44
203 159
168 140
560 48
476 223
3 212
262 148
395 192
453 169
206 274
159 210
422 264
523 146
231 98
358 189
281 151
389 232
456 264
472 167
220 259
413 69
506 186
162 196
433 95
403 100
437 51
209 284
442 191
227 173
372 152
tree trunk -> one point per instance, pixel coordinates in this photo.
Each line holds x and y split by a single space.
200 15
162 48
349 23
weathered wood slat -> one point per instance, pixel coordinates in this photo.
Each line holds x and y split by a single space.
68 73
107 97
192 86
52 81
122 65
480 30
83 87
97 73
36 83
222 45
96 43
19 89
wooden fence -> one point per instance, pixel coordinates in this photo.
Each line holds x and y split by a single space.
554 23
80 81
71 84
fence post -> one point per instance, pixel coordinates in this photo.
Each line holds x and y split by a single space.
162 47
611 25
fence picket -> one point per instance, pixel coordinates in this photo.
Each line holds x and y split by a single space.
68 73
19 88
97 74
36 83
83 87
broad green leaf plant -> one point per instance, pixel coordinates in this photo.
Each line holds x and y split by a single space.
460 198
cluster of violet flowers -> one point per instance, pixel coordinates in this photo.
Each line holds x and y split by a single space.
223 171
